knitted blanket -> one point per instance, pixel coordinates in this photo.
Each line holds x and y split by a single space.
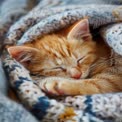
27 20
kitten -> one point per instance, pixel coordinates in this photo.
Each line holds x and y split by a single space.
77 64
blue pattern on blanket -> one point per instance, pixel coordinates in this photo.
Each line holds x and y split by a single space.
88 109
40 108
46 17
20 81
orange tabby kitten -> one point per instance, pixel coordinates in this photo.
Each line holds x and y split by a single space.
77 65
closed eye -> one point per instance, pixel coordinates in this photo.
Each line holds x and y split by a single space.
80 59
59 68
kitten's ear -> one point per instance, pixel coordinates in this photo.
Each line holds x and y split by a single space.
22 54
80 31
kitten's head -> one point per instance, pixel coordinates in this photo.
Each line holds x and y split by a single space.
57 55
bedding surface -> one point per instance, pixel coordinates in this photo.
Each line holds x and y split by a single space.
27 20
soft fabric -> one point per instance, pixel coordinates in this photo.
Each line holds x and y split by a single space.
13 112
3 80
49 16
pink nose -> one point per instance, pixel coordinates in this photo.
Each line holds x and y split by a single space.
76 76
75 73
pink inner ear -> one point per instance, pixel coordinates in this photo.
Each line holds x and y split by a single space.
23 53
83 26
15 51
81 29
20 53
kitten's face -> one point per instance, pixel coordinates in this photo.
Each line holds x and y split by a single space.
56 55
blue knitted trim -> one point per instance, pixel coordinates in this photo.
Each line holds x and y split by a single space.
88 109
40 108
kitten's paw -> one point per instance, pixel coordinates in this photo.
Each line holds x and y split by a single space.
52 86
60 86
55 86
